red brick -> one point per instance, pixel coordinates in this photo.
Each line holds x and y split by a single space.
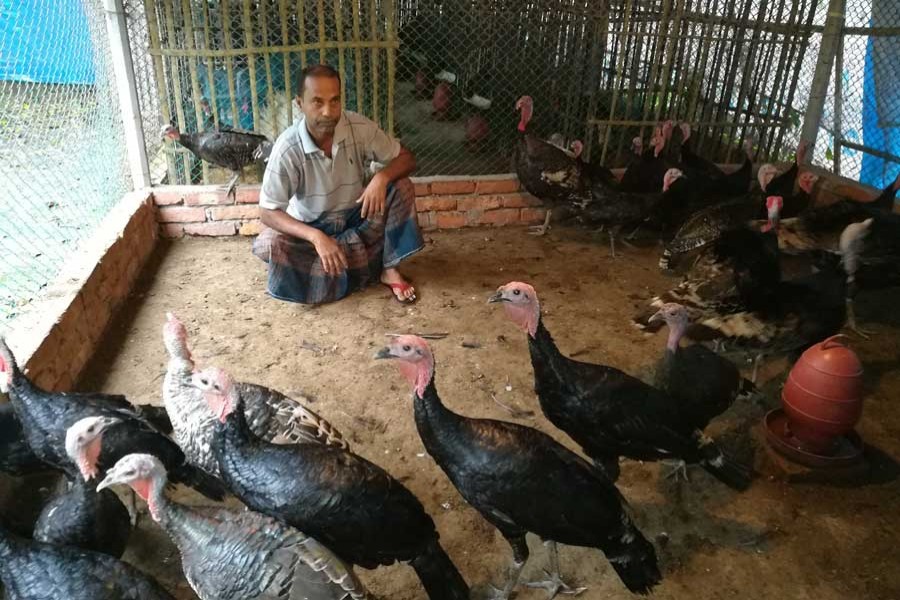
172 230
478 202
533 215
435 203
207 198
497 186
427 220
251 228
181 214
451 220
460 186
167 199
217 228
521 200
474 216
224 213
501 216
422 189
247 195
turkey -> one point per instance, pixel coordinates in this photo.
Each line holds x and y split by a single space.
237 555
544 169
703 383
645 175
16 457
271 415
608 412
351 505
84 516
713 181
37 571
227 148
522 481
871 251
46 416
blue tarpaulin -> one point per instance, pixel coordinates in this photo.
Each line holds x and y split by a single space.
45 41
881 98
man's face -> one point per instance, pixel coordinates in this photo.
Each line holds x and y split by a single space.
321 105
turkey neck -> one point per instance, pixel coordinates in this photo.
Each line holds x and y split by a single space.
885 200
435 422
235 434
187 140
545 354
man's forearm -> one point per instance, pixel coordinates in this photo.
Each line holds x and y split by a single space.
400 167
284 223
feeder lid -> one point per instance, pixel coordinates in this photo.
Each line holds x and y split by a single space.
833 357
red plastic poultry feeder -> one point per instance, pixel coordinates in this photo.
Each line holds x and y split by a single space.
822 402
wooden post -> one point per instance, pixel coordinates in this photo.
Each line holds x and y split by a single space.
391 65
838 104
249 44
225 14
357 56
192 67
210 66
120 50
339 37
176 84
834 25
285 39
320 6
301 21
267 61
373 29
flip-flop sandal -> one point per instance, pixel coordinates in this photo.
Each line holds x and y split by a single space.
401 287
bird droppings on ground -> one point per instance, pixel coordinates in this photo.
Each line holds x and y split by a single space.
775 540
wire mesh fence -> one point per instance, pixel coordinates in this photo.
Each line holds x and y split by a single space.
236 64
861 123
62 157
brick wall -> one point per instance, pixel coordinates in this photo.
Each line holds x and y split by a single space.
56 338
442 202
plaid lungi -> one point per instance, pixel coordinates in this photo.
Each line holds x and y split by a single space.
370 245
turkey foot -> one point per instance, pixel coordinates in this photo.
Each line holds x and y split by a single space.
495 593
555 585
541 229
231 188
678 470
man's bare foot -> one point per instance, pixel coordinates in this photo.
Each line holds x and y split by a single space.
403 290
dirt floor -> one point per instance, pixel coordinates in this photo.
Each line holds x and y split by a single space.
777 540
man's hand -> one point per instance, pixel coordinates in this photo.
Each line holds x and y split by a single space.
333 260
373 197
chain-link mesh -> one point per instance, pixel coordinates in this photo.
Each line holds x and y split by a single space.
860 129
236 63
61 140
444 74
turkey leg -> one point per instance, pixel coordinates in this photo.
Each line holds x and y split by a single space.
851 321
520 556
555 585
231 188
542 229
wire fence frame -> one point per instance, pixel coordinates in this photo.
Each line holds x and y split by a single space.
62 151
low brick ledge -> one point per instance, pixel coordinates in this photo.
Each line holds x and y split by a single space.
441 202
449 202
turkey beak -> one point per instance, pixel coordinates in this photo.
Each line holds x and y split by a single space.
497 297
657 316
109 480
384 353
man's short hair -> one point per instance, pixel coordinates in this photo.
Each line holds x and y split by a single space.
317 71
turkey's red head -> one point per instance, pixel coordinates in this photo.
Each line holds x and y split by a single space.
577 147
773 210
84 441
521 304
218 391
525 106
658 141
414 357
171 132
671 176
7 363
676 318
144 473
637 145
807 181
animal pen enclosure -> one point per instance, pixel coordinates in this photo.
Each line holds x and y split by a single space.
603 72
